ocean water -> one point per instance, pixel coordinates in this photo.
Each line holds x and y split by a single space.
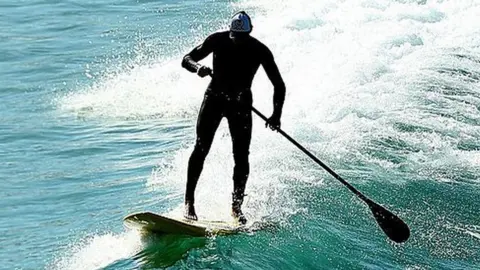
98 117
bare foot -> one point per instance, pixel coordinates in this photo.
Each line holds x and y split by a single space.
189 212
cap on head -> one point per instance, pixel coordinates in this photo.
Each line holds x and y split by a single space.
241 23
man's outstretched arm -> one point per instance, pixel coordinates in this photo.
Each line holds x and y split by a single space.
278 86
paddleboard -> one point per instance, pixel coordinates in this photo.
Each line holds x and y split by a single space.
151 222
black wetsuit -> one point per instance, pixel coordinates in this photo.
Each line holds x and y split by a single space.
229 95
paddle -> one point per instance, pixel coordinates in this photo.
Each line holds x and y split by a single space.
391 225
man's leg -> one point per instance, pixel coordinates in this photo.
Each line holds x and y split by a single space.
209 118
240 125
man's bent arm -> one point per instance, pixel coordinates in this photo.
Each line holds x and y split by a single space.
190 60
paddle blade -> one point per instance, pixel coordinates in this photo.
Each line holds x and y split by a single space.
392 225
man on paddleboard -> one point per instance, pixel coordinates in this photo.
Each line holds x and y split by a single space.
236 58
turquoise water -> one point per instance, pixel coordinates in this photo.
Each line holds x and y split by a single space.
97 121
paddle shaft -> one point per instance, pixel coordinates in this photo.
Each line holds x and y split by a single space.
318 161
391 225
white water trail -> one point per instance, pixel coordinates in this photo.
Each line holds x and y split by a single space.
99 250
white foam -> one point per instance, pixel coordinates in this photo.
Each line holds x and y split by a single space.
98 251
157 90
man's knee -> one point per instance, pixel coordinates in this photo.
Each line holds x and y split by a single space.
241 158
200 150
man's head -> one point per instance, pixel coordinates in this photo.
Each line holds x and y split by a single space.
240 27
